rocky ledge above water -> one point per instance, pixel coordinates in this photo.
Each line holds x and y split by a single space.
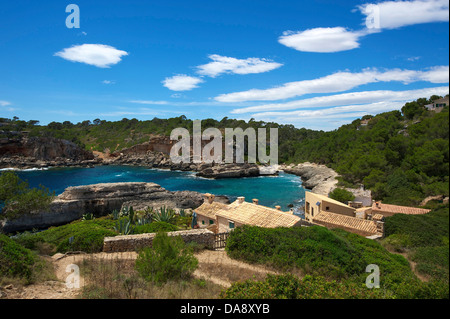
320 179
102 199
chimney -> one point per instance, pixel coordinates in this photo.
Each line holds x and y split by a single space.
209 198
255 201
241 199
278 207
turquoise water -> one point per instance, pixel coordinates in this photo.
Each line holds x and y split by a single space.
280 190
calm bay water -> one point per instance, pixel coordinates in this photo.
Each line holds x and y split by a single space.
280 190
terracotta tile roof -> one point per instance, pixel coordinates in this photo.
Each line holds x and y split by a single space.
347 222
377 217
210 210
395 209
258 215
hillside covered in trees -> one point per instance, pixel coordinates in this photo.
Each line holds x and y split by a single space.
402 157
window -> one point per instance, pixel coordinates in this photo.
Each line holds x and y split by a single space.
327 208
211 222
312 211
203 222
230 225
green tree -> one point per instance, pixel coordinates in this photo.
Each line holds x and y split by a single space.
342 195
18 198
168 259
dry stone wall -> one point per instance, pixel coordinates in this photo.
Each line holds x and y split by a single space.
135 242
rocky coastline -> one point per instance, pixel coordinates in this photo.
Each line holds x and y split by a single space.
320 179
102 199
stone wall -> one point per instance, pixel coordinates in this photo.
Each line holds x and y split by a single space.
136 242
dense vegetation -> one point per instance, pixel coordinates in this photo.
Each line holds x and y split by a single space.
335 259
424 238
87 234
15 260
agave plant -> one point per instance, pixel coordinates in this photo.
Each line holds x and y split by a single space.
88 216
115 214
124 227
164 215
182 213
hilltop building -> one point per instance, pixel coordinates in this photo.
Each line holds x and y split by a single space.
438 105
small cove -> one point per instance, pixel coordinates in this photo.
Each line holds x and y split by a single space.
284 189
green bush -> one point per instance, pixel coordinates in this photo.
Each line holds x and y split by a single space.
15 260
18 198
168 259
86 236
431 229
288 286
154 227
315 250
342 195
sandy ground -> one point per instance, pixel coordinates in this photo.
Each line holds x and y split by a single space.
214 266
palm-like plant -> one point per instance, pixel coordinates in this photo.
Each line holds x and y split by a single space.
124 227
164 215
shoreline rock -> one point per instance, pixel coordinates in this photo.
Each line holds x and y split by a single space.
320 179
102 199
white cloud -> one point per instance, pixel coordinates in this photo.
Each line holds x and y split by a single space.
149 102
181 82
321 39
396 14
223 64
383 15
99 55
365 97
5 106
108 82
337 82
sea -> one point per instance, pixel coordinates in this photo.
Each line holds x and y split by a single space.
284 190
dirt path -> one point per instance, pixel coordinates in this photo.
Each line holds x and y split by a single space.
214 266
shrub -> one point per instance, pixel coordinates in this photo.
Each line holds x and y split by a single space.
168 259
288 286
86 236
431 229
15 260
342 195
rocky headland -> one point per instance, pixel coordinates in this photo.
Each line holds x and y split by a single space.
24 152
319 179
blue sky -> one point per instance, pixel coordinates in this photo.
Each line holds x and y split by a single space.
314 64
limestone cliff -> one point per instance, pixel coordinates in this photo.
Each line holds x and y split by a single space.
102 199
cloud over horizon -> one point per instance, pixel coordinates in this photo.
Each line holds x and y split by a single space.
338 82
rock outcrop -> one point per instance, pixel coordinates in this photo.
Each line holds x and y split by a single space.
320 179
30 152
102 199
207 170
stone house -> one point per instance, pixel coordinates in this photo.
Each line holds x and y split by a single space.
223 218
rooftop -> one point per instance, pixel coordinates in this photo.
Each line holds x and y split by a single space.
258 215
395 209
347 222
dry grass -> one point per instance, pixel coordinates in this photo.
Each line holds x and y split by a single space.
117 279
